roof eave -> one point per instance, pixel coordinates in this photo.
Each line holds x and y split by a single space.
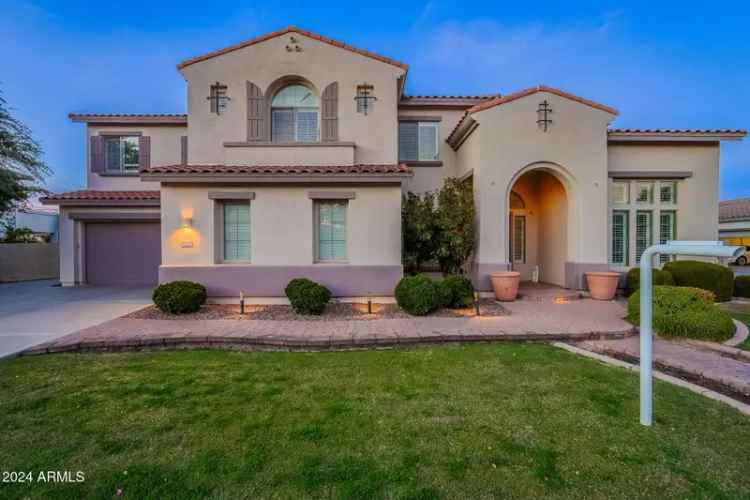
93 119
276 179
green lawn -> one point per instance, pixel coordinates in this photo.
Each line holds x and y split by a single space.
478 421
740 312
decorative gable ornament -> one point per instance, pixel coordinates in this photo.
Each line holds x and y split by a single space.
293 45
543 113
218 98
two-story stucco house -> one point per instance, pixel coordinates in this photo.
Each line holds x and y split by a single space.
296 149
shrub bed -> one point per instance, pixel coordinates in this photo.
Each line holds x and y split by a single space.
456 292
742 286
418 295
307 296
179 297
658 277
708 276
684 312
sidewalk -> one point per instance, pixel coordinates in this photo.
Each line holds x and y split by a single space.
528 320
705 367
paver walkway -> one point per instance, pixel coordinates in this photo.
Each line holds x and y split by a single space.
706 367
528 320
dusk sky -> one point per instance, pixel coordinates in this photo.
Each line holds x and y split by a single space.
662 64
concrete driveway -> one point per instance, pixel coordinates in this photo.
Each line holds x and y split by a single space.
37 311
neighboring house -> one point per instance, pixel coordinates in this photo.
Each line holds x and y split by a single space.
295 151
734 224
42 221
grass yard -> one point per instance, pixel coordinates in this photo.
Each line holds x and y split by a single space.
477 421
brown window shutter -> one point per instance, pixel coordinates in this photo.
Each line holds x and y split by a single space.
144 152
330 117
96 152
183 149
255 113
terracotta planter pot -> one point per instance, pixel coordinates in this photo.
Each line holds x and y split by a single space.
602 285
505 285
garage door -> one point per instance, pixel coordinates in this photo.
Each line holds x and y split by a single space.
123 253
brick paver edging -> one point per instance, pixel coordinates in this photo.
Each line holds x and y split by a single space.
310 344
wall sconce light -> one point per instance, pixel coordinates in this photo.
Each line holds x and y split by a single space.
187 222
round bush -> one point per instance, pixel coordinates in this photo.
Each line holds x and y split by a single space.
417 295
306 296
706 275
742 286
658 277
179 297
684 312
456 292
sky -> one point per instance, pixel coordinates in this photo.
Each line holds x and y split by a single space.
661 64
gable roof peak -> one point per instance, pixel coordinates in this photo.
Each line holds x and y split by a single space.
540 88
284 31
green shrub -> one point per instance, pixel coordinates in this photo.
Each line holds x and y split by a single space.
658 277
306 296
714 277
417 295
684 312
456 292
179 297
742 286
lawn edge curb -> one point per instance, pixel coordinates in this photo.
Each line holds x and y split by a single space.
738 405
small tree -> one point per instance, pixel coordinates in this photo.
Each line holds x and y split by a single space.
21 165
18 235
455 222
419 227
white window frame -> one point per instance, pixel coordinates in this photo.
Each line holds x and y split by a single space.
625 186
220 233
626 238
316 227
422 125
518 219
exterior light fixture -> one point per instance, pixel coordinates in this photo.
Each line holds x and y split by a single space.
218 98
242 302
692 248
364 98
187 222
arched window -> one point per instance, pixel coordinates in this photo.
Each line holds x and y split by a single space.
295 113
516 202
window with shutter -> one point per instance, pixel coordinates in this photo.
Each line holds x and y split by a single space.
255 113
643 233
122 153
330 126
294 115
620 237
408 145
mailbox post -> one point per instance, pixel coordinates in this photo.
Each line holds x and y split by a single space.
692 248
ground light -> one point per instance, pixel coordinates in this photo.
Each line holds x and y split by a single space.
691 248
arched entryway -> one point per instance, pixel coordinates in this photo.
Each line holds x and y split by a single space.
537 233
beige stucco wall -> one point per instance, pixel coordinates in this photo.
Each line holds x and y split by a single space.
165 150
290 155
281 227
375 134
697 196
430 178
574 150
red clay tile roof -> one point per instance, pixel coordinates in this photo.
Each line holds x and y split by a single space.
395 170
284 31
678 132
161 118
734 210
93 195
443 101
539 88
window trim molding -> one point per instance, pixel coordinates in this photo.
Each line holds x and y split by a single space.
417 160
331 195
417 118
316 231
231 195
274 88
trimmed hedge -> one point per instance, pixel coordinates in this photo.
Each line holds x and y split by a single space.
456 292
684 312
658 277
418 295
179 297
306 296
742 286
706 275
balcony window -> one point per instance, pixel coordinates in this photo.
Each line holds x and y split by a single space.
295 111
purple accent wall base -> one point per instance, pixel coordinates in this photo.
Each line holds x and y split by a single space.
480 274
270 281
